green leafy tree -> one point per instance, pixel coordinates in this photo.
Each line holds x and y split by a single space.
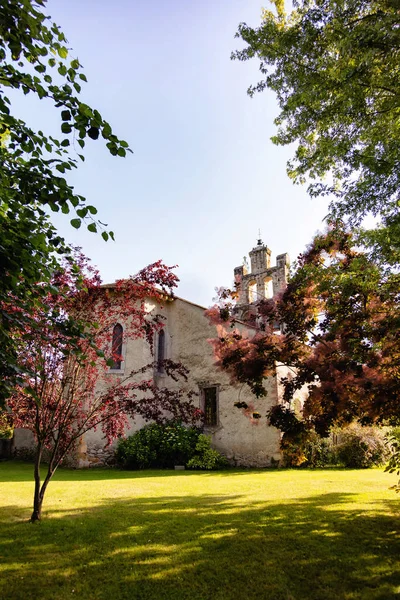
35 60
334 66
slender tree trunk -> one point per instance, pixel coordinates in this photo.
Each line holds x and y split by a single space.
40 490
37 500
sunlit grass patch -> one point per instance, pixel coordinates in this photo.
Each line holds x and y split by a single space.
328 534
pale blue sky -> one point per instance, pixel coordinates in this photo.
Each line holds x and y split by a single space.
204 176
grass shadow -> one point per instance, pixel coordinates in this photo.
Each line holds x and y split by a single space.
205 547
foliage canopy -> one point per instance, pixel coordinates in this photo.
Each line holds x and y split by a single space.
35 60
339 317
334 68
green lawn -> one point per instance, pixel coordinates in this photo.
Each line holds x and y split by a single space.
275 535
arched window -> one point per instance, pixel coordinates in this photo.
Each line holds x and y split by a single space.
269 288
161 351
117 339
252 292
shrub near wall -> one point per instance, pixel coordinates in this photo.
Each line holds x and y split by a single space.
206 457
158 446
165 446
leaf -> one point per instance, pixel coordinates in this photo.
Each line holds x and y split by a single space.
76 223
92 210
92 227
62 52
66 128
104 235
65 115
85 110
121 152
106 132
93 133
75 63
82 212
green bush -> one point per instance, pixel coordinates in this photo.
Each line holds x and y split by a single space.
158 446
206 457
354 447
361 447
318 451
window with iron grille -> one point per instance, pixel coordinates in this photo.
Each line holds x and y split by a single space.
210 405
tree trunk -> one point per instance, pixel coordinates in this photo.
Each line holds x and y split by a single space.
40 490
37 511
37 499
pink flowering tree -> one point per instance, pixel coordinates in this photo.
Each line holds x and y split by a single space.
66 353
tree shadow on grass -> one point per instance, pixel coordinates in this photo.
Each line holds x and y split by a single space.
206 547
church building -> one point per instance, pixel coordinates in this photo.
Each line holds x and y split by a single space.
245 441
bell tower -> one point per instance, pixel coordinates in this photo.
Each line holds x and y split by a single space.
263 281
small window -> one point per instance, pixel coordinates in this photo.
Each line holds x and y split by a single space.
161 351
117 340
210 406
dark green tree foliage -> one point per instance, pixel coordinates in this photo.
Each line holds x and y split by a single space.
334 66
35 60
